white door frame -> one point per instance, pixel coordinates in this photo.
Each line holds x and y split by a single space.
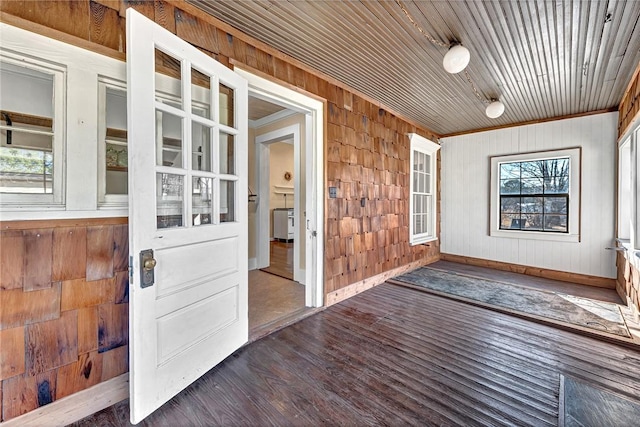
263 143
314 140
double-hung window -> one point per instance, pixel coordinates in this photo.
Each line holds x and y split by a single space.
628 231
423 182
536 195
31 132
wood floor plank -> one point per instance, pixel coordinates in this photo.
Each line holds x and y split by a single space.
397 356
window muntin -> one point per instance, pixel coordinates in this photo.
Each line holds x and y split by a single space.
196 160
422 204
30 132
534 195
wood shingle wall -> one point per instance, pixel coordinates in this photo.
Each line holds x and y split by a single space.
63 310
629 109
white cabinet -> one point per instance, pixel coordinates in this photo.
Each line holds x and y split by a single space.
283 224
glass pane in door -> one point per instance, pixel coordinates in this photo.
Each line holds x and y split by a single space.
168 140
202 201
168 76
227 201
227 154
169 198
200 94
201 147
227 103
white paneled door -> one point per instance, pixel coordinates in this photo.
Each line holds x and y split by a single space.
187 133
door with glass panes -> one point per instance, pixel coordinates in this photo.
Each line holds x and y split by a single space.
187 141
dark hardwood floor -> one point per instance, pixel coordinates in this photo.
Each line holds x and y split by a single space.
397 356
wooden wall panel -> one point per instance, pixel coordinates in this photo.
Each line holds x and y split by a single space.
165 15
122 287
11 259
69 16
196 31
25 393
121 247
80 293
99 253
24 308
19 396
629 109
38 260
12 355
49 330
115 362
113 326
69 253
105 27
84 372
87 329
52 344
628 283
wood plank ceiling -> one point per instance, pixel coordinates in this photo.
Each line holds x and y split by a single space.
542 59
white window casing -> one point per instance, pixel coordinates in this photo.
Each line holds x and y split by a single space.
573 231
77 73
628 200
422 190
54 106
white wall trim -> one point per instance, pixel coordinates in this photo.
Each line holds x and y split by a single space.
283 114
76 406
253 263
314 110
263 170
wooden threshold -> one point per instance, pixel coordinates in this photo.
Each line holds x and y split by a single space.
77 406
583 279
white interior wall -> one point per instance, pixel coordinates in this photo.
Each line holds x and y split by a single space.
465 186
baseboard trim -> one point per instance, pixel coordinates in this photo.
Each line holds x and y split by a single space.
563 276
253 264
368 283
77 406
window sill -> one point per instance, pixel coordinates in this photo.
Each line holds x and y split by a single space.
423 241
534 235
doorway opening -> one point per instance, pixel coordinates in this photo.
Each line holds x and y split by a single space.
285 209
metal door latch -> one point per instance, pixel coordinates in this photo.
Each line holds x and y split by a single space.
147 268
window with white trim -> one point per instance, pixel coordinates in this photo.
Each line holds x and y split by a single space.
31 132
536 195
628 233
422 188
112 137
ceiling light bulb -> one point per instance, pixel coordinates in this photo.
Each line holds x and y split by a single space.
495 109
456 59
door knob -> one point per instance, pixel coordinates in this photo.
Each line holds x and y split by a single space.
147 268
150 264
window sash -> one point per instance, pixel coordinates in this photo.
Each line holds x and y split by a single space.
55 197
516 220
422 201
